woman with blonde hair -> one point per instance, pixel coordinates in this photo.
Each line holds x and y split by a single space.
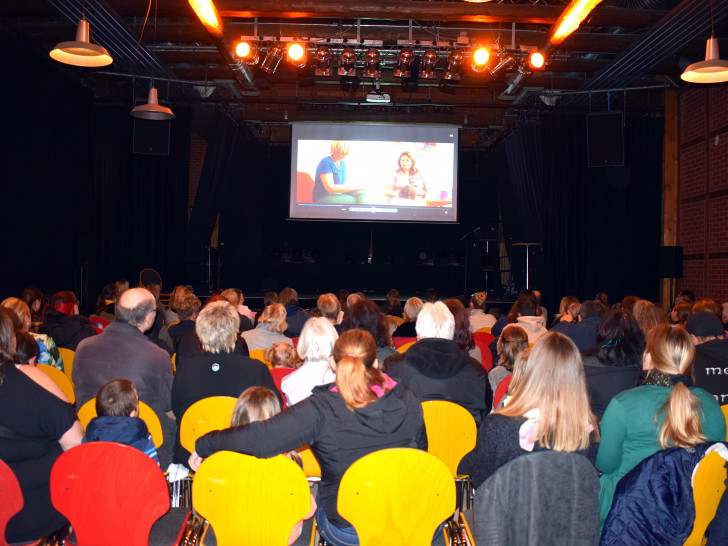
330 185
549 410
568 310
412 308
269 330
363 411
665 411
647 315
478 317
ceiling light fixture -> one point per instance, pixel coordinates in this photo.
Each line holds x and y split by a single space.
372 65
570 19
402 70
247 52
297 55
428 65
81 52
480 59
454 65
272 58
152 110
323 61
712 69
347 62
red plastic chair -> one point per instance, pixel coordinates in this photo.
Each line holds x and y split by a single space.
399 341
482 342
278 375
501 390
113 490
11 498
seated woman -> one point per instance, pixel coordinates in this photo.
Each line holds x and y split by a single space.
364 315
412 308
37 424
361 412
665 411
407 187
330 186
549 409
48 351
106 302
463 336
478 317
511 342
271 325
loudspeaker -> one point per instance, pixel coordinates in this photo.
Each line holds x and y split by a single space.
670 262
605 139
151 137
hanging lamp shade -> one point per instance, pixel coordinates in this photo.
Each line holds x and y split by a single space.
711 70
81 52
152 110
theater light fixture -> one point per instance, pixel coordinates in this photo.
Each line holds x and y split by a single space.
152 110
404 62
272 58
504 63
297 55
480 59
372 65
207 14
428 64
347 62
570 19
81 52
247 52
454 66
536 60
323 61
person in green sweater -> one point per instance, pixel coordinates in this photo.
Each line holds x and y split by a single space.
665 411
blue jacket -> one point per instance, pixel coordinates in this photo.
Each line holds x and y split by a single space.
131 431
653 504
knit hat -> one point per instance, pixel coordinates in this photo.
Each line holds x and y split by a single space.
704 324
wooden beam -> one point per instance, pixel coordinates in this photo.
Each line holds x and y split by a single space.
670 185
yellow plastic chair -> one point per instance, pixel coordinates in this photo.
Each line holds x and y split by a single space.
399 320
708 488
311 467
259 354
724 407
403 348
250 501
206 415
174 363
146 414
67 356
486 330
60 379
451 434
396 496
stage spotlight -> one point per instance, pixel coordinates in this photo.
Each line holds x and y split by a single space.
454 65
536 60
297 55
272 58
428 65
323 61
247 52
504 63
372 65
480 59
347 62
402 70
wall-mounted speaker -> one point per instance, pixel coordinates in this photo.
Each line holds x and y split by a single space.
670 262
605 139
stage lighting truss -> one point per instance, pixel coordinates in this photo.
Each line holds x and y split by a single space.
446 61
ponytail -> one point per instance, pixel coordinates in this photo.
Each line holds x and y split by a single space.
354 381
682 426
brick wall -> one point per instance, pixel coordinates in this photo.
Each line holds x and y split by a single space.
198 148
703 199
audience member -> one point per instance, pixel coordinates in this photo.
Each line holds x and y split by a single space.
412 308
583 332
681 312
568 310
628 303
117 407
478 317
123 352
341 422
603 298
218 371
435 368
365 315
282 360
37 424
711 354
393 305
64 324
186 305
48 351
706 305
647 315
613 364
314 347
106 301
462 336
271 325
512 341
665 411
295 316
26 348
541 309
549 409
235 296
33 298
431 295
330 309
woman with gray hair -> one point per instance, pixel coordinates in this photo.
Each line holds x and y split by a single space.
218 371
271 325
314 347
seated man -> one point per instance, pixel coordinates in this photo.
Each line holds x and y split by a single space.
583 332
711 354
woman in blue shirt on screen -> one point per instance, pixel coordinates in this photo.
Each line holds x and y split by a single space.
330 185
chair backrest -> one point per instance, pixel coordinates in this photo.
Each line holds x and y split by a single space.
399 320
482 341
708 488
67 357
400 341
396 496
146 414
311 467
206 415
259 354
109 490
501 390
250 501
304 187
60 379
724 407
451 432
11 498
486 330
403 348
